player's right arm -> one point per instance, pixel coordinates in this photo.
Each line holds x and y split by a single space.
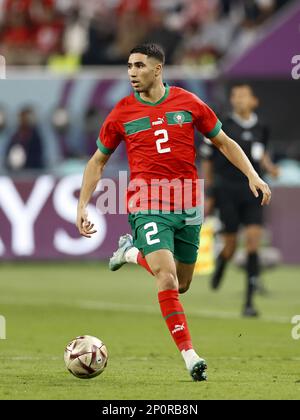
91 177
108 140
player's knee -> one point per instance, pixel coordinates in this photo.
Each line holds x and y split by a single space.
168 281
166 278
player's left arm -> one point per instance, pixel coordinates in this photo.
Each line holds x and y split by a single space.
234 153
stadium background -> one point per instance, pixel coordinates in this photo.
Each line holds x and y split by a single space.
66 61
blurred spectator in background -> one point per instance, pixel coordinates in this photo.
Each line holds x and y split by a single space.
31 31
75 39
256 12
227 189
207 33
248 17
100 35
133 18
48 29
16 33
60 121
103 31
92 124
163 32
25 147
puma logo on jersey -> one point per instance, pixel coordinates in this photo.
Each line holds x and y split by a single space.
178 327
159 121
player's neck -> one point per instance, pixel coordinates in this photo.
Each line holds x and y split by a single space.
154 94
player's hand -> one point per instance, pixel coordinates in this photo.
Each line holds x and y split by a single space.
257 184
85 227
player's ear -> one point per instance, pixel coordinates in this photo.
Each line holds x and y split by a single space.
158 69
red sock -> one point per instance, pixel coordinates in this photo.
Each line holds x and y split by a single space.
142 261
173 313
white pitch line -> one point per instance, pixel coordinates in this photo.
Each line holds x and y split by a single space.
93 305
136 308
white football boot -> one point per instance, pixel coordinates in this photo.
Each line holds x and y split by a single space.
118 258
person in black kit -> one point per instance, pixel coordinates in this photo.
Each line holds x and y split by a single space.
227 188
25 148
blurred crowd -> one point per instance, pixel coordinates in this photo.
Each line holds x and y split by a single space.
29 142
26 147
102 32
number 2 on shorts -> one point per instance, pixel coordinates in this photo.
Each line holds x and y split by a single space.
151 232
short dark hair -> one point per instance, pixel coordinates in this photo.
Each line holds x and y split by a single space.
151 50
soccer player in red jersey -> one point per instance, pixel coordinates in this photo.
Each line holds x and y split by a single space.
157 124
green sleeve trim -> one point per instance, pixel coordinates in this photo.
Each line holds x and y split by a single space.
104 149
215 131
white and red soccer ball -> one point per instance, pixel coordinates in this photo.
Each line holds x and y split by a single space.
86 357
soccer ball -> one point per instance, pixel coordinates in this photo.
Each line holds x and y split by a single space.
86 357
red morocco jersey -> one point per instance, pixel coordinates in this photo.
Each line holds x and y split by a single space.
160 147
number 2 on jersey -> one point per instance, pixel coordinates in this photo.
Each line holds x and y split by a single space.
151 232
161 140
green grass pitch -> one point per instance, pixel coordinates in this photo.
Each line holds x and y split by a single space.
46 305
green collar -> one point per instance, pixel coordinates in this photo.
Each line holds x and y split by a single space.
167 91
